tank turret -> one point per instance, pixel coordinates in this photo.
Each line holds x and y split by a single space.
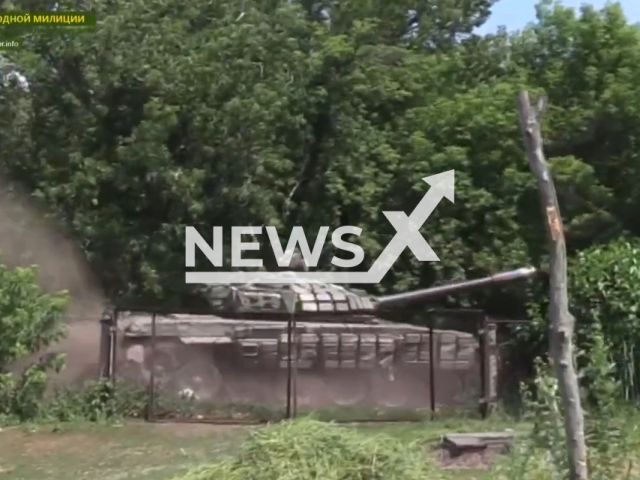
330 302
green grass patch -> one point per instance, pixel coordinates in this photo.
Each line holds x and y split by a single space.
308 449
138 450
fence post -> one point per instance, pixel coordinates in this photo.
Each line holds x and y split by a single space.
482 345
294 389
488 366
151 407
289 366
289 299
432 370
106 323
492 367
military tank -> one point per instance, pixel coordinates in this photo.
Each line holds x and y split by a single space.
344 353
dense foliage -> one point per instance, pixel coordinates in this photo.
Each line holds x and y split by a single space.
29 320
606 299
217 112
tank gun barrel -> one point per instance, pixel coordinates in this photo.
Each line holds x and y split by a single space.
444 290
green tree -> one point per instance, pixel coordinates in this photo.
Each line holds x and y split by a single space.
258 113
223 114
587 63
29 321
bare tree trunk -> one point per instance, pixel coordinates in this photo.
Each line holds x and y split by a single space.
562 322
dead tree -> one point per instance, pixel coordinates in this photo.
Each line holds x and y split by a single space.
562 322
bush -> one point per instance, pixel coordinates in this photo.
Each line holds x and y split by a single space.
611 427
95 401
29 321
605 300
307 449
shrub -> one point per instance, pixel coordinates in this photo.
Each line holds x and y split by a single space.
611 427
605 301
29 321
95 401
307 449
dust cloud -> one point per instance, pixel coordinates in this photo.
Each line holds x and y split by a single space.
27 238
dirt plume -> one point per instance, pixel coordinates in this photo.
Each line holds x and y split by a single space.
28 237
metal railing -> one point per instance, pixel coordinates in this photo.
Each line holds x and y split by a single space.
483 368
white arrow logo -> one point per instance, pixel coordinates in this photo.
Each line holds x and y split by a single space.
408 228
407 235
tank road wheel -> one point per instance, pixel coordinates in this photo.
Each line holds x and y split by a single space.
199 379
347 390
309 390
391 388
137 365
245 389
132 369
274 388
164 368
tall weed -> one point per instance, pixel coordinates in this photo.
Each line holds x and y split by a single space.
611 425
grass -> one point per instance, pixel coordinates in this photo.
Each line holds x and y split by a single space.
162 451
106 452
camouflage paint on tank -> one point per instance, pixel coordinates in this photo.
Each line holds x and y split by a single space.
340 342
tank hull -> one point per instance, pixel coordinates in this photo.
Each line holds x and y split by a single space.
338 364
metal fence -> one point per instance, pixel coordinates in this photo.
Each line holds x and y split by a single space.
199 367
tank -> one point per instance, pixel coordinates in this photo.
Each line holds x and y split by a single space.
345 352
